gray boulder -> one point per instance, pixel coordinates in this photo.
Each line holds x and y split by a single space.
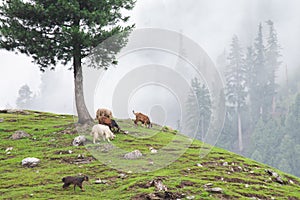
30 162
19 134
79 140
133 155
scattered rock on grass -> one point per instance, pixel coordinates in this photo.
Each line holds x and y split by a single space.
158 185
19 134
214 190
99 181
276 177
133 155
1 120
79 140
30 162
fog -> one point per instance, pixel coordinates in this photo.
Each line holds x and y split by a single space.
211 24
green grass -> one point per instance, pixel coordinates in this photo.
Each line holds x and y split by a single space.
175 164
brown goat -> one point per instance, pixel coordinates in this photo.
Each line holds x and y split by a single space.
140 117
109 122
104 112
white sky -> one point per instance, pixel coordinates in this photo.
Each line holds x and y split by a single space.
211 23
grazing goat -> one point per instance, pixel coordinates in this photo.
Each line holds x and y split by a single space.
104 112
68 180
109 122
103 131
140 117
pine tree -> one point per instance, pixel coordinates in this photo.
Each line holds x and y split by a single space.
272 63
199 108
24 99
260 74
236 84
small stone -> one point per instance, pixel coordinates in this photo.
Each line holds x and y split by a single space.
129 172
151 163
122 176
291 182
214 190
133 155
246 186
188 169
190 197
7 153
152 150
208 185
98 181
225 164
19 134
199 165
70 151
80 156
251 172
1 120
9 149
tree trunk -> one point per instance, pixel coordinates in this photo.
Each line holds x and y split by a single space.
240 134
83 114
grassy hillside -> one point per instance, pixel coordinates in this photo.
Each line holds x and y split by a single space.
186 178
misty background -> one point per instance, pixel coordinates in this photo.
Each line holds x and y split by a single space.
211 24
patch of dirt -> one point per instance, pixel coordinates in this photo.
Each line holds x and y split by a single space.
78 161
237 180
249 195
128 140
186 183
158 196
11 120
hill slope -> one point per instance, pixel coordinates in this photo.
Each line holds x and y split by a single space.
186 177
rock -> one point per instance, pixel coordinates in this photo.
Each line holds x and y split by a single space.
19 134
80 156
1 120
225 164
190 197
133 155
158 185
18 111
214 190
152 150
79 140
9 149
291 182
277 178
30 162
99 181
122 176
207 185
246 186
199 165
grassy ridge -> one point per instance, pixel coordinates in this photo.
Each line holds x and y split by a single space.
50 141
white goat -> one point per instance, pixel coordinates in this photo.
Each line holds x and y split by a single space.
103 131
